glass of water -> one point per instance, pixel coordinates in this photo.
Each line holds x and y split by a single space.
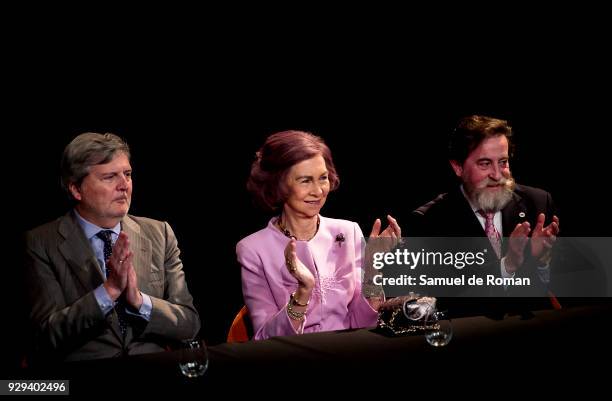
439 329
193 360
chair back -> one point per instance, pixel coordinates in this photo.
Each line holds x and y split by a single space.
242 329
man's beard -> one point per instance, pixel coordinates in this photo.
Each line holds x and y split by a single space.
491 201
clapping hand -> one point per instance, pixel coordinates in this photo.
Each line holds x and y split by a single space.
117 277
516 246
543 239
389 237
296 267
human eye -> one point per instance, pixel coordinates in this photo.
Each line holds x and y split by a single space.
503 163
484 164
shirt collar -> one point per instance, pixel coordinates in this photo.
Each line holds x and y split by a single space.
91 229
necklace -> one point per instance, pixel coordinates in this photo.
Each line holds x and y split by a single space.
287 233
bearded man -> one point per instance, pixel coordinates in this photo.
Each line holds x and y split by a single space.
489 203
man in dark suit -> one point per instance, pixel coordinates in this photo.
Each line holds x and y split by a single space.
102 283
489 204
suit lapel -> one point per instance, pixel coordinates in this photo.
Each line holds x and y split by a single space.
78 254
515 212
141 248
467 222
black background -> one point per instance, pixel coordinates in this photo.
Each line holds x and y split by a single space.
194 113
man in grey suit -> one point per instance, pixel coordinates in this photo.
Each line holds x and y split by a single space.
102 283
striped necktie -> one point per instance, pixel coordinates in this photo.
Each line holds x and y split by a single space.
492 232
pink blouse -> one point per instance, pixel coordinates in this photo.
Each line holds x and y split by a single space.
333 256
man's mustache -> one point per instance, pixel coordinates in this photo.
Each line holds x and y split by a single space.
502 182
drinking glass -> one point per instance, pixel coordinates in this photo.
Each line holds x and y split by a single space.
439 329
193 360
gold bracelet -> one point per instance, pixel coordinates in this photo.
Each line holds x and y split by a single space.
370 290
293 300
294 314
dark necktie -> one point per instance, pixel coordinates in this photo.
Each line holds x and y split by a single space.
105 236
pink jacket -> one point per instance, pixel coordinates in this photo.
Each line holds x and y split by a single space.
336 301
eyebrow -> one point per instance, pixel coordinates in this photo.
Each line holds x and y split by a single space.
310 176
487 159
116 172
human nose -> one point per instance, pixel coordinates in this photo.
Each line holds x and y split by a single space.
122 184
317 189
495 172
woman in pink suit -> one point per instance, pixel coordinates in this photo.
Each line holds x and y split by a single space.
302 273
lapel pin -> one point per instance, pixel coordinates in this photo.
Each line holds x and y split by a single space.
522 214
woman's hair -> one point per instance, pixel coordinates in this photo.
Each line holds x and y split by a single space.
281 151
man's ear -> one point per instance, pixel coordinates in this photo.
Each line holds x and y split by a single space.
457 168
74 191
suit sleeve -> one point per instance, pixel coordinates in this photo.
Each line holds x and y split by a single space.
360 312
174 316
269 320
57 326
